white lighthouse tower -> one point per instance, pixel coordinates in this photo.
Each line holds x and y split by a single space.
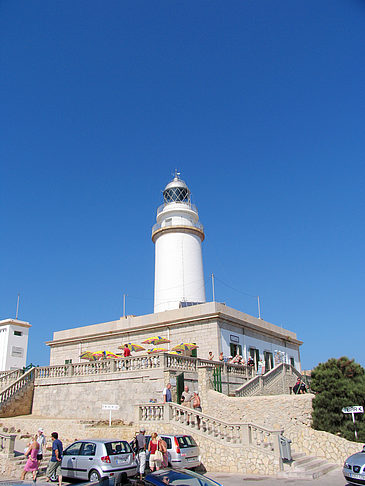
177 235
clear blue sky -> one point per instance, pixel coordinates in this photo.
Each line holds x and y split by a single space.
261 106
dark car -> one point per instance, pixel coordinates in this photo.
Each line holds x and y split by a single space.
175 477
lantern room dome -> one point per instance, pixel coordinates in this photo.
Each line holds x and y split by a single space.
176 191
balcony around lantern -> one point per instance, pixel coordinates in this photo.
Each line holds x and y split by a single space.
192 207
158 226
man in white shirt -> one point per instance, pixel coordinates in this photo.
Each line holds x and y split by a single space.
41 439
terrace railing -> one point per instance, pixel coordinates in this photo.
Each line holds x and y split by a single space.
234 434
260 383
19 384
135 363
8 377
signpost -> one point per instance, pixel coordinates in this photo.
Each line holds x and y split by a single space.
106 406
354 409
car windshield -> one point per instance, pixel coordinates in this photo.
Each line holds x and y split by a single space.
180 478
117 447
186 441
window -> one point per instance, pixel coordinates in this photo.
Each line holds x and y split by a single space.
88 449
117 447
18 333
68 361
194 353
269 361
292 361
17 352
235 349
255 355
186 441
73 450
168 442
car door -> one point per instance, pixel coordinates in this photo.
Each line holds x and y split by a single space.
85 460
68 465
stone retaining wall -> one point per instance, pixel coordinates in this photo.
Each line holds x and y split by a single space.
19 404
224 457
292 413
82 396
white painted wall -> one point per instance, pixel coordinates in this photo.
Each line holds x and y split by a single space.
179 272
262 343
13 348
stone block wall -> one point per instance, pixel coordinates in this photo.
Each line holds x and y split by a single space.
82 396
223 457
19 404
292 413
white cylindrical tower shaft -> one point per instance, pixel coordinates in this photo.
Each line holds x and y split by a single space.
178 234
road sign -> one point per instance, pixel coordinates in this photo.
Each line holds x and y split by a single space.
105 406
353 409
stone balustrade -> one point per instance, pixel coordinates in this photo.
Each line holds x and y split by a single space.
234 434
282 376
7 444
7 377
134 363
17 385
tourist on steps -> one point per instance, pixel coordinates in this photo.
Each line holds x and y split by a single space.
32 462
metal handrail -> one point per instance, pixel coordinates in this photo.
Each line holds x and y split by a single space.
158 226
190 206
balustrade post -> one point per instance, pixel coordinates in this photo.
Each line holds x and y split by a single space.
8 444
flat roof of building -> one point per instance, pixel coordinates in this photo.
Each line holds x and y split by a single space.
14 322
196 313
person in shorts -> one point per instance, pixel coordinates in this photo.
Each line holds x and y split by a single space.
54 465
141 452
42 444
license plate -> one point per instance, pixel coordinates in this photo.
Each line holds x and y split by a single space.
356 476
120 461
191 459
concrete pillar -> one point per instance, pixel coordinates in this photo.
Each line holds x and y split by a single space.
205 375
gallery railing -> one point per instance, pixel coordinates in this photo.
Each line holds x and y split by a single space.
9 377
134 363
237 434
17 385
261 382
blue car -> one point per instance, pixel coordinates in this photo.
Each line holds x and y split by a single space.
178 477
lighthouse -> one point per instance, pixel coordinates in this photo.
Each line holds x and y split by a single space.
178 235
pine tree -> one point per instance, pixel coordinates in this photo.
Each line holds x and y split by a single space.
338 383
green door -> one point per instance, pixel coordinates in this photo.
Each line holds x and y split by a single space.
179 387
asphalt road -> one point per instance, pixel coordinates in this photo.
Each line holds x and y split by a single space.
333 478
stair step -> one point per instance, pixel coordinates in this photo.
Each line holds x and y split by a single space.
311 474
307 463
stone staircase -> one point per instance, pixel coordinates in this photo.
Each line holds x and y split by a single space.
306 467
17 463
279 380
17 397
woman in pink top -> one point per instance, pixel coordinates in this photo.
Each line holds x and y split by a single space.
32 462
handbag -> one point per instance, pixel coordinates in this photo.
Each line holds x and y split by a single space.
158 453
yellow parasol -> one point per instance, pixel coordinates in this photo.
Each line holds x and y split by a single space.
133 347
155 340
185 347
88 355
156 350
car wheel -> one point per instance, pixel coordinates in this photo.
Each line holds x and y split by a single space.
53 477
94 475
